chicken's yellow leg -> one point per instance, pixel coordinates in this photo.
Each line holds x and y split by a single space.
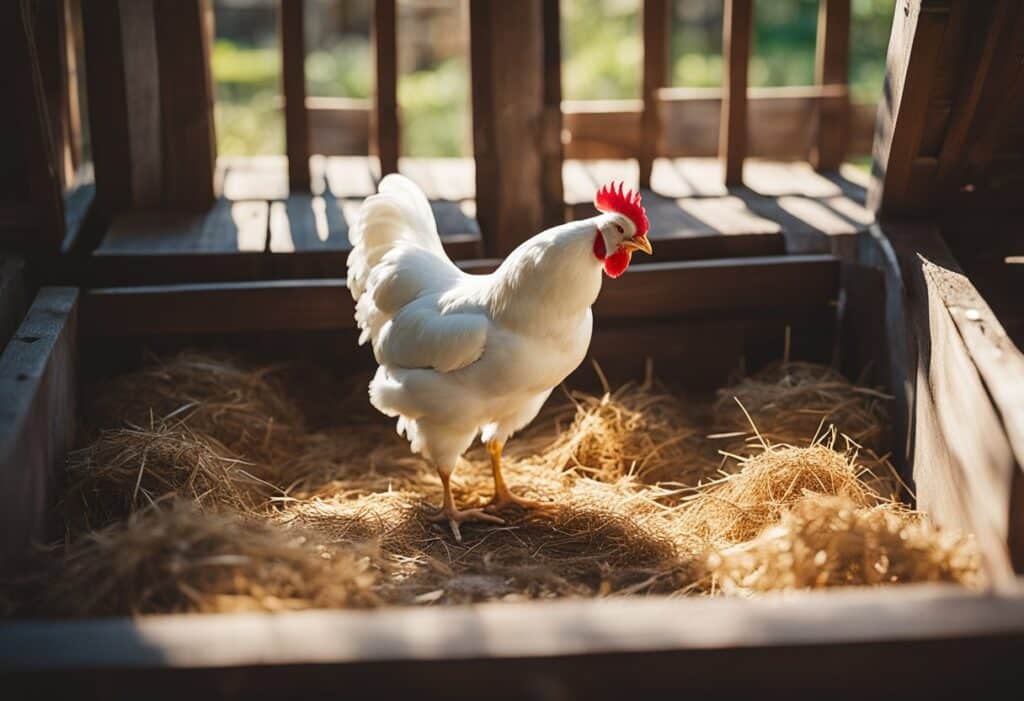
503 496
456 516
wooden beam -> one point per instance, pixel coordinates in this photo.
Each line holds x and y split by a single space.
695 289
30 177
110 135
737 34
385 139
968 407
73 118
38 409
552 152
293 76
917 34
184 31
51 44
506 46
142 83
832 68
914 640
657 33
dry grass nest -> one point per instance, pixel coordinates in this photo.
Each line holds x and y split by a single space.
200 522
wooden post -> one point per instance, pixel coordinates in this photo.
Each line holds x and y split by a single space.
552 153
914 50
50 33
31 205
657 36
384 137
737 28
832 68
151 103
506 49
293 75
73 118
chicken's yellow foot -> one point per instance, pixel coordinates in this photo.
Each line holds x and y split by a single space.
503 496
456 516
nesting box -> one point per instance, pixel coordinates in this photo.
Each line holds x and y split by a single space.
890 303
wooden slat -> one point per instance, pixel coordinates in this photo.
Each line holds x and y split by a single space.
737 31
38 405
293 76
506 46
107 96
226 243
772 286
832 68
142 95
914 641
551 128
968 446
656 38
31 172
917 34
73 118
384 125
50 32
183 35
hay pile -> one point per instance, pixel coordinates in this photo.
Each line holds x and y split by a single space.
203 488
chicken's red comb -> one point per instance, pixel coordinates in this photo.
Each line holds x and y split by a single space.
625 202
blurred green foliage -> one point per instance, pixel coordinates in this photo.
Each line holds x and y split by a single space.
602 58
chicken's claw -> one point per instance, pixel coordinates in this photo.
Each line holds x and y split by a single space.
456 516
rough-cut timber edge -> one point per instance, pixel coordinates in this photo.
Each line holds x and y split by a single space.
697 289
920 641
965 382
38 405
293 71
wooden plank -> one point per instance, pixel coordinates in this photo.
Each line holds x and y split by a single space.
73 118
183 35
917 34
13 295
226 243
552 152
385 139
31 176
142 94
737 34
702 289
107 96
968 444
832 68
50 33
915 641
293 76
38 405
657 29
782 123
506 47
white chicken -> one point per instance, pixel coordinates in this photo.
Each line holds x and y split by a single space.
462 355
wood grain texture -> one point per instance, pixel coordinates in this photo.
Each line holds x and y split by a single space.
832 63
657 31
143 104
384 128
737 34
914 49
183 35
31 179
552 150
293 76
38 405
916 641
107 101
50 32
968 448
774 285
506 47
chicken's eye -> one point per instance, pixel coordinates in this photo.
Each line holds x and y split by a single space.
621 230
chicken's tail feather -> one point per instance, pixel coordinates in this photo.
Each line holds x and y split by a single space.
398 214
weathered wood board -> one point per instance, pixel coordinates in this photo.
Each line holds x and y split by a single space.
38 416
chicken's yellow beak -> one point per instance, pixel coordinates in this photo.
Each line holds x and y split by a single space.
637 243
